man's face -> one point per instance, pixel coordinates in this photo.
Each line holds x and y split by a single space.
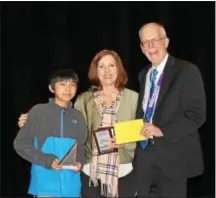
153 44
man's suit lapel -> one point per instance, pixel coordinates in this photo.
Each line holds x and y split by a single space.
167 78
142 80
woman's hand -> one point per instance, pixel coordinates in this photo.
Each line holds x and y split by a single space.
22 119
111 142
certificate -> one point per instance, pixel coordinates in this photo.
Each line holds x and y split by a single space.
101 135
69 160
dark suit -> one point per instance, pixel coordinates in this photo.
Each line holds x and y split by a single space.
180 112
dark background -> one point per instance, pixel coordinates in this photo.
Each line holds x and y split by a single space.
40 36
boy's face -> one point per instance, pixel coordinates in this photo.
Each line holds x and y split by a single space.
64 90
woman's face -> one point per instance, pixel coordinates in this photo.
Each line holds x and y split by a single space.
107 71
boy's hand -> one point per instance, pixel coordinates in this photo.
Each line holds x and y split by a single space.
78 165
56 165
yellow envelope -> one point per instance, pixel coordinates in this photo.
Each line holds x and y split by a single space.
128 131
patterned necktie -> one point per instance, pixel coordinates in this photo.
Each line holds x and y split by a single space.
148 114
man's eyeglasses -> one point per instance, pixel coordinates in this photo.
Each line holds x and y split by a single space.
155 42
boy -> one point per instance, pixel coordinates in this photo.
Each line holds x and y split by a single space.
50 131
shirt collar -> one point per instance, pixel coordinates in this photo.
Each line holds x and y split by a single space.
52 101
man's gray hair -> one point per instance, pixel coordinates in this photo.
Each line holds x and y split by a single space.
160 26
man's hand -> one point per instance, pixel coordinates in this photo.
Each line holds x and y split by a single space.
149 130
22 119
56 165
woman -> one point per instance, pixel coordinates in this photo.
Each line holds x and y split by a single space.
108 102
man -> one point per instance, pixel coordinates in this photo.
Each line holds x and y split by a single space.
172 104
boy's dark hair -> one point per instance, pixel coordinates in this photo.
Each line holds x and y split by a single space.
62 75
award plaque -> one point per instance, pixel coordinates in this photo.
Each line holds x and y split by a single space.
69 160
101 135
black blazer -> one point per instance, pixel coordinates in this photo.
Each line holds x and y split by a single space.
180 112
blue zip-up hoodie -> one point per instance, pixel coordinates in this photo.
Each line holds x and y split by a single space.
49 133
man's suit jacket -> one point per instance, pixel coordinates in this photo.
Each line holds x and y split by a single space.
179 113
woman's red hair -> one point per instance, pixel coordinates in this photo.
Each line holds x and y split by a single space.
122 78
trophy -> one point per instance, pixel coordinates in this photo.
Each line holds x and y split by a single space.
101 135
69 160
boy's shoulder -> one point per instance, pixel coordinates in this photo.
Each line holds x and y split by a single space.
41 107
75 111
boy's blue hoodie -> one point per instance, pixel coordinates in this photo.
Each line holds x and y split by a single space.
49 133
